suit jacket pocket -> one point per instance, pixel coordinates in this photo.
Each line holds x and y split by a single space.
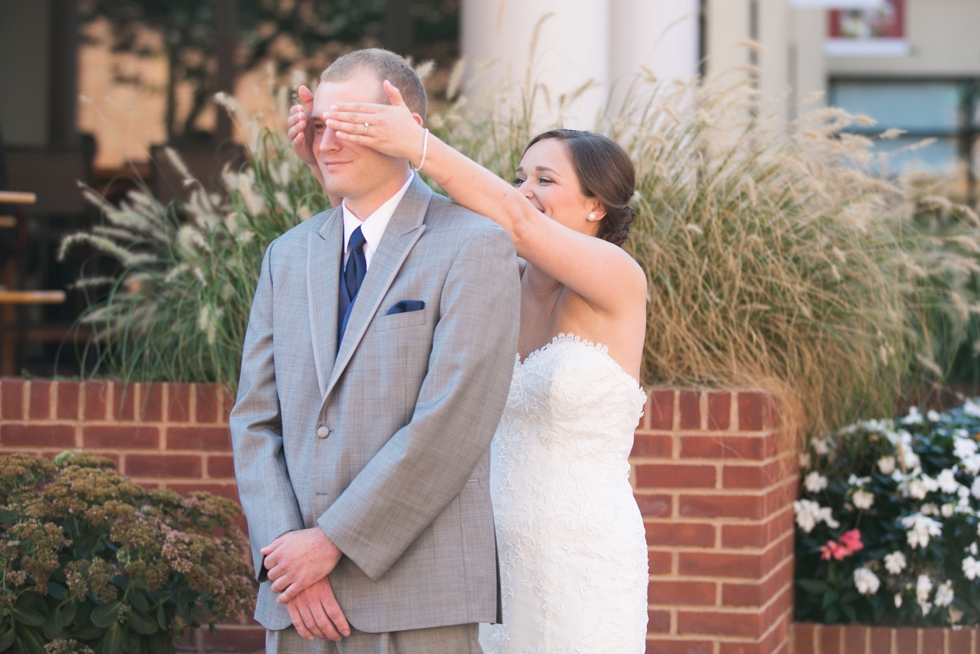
399 320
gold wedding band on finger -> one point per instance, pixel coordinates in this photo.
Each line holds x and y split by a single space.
364 133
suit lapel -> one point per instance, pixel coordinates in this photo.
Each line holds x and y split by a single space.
401 235
322 288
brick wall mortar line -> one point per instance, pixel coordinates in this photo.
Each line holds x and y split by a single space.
775 624
702 578
698 637
182 480
53 393
717 522
717 492
675 425
736 424
715 638
690 549
165 391
709 492
110 401
756 581
703 410
102 451
652 460
776 596
52 401
137 391
192 405
736 461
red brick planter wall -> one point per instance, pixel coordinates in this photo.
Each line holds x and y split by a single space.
160 435
716 492
714 488
858 639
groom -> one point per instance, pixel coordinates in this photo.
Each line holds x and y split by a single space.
376 365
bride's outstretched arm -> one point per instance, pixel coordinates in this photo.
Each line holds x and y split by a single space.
301 136
590 266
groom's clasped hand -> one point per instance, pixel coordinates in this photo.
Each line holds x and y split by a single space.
298 563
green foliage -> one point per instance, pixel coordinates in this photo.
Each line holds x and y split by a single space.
910 490
91 561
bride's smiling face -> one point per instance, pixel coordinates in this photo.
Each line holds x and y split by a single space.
547 178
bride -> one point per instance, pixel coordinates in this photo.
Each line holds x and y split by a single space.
571 543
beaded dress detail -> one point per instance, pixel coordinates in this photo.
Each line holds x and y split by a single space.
571 542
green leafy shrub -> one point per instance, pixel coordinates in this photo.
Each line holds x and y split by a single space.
887 522
94 562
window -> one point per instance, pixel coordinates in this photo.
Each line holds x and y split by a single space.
945 110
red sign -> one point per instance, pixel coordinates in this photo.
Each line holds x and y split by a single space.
885 23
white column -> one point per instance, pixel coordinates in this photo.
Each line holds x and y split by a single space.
810 73
728 24
661 35
572 48
774 73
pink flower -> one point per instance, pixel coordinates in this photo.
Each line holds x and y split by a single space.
834 550
852 541
849 543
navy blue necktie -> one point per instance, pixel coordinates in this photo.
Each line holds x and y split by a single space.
352 279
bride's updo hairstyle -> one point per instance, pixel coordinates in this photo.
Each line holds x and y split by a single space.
604 172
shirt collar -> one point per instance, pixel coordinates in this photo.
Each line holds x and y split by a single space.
373 227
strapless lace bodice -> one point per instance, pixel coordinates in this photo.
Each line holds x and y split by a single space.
573 557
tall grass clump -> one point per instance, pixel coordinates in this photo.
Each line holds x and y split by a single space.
178 309
778 256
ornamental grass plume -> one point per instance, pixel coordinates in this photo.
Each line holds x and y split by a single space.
778 256
178 308
91 561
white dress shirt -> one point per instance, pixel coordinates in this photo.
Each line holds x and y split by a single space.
372 227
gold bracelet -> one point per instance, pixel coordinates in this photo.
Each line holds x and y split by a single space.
425 148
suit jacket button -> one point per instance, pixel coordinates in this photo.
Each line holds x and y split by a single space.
322 431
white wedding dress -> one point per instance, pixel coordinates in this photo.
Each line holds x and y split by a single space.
571 542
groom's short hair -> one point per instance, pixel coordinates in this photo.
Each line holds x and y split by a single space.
387 66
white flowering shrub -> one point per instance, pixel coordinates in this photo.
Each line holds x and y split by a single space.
887 522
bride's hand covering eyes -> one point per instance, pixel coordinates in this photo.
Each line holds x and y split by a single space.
391 129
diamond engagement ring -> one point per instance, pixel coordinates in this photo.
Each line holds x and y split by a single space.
364 133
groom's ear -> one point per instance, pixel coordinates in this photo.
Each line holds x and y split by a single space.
418 118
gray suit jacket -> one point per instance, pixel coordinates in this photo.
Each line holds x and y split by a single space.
411 401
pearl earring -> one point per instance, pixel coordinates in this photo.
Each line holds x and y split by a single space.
591 217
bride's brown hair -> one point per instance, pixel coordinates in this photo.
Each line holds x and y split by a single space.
604 172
